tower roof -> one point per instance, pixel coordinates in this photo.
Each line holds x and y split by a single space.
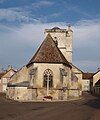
48 52
55 28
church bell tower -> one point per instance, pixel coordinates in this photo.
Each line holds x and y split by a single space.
64 39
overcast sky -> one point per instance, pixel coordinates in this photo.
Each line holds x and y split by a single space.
22 25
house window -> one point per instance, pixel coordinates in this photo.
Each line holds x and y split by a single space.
48 78
4 87
85 86
4 80
87 82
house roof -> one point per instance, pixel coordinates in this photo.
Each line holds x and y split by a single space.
1 74
48 53
7 73
98 82
96 72
20 84
87 75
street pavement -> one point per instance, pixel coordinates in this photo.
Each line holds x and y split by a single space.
87 108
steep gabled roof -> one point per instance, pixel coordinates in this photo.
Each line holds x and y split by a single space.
48 53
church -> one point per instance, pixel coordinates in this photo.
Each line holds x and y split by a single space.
50 74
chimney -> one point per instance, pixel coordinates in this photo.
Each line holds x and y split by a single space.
9 67
2 70
69 28
98 69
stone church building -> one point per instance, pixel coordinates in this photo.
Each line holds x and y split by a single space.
50 73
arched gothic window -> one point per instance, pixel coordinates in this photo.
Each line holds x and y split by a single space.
48 78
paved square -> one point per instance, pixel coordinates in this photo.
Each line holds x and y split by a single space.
87 108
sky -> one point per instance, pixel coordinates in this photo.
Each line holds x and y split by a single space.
22 25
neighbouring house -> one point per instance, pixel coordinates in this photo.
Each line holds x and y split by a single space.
86 81
95 83
1 74
50 72
5 79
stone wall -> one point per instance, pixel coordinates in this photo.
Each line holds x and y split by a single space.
19 93
20 76
41 67
73 93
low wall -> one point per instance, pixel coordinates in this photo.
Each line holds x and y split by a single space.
25 94
73 93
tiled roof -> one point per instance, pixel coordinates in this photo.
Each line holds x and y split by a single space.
1 74
87 75
48 53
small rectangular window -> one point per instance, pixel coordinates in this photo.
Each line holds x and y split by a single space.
87 82
4 80
85 86
4 87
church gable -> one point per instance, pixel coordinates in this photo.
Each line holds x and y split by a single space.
49 53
